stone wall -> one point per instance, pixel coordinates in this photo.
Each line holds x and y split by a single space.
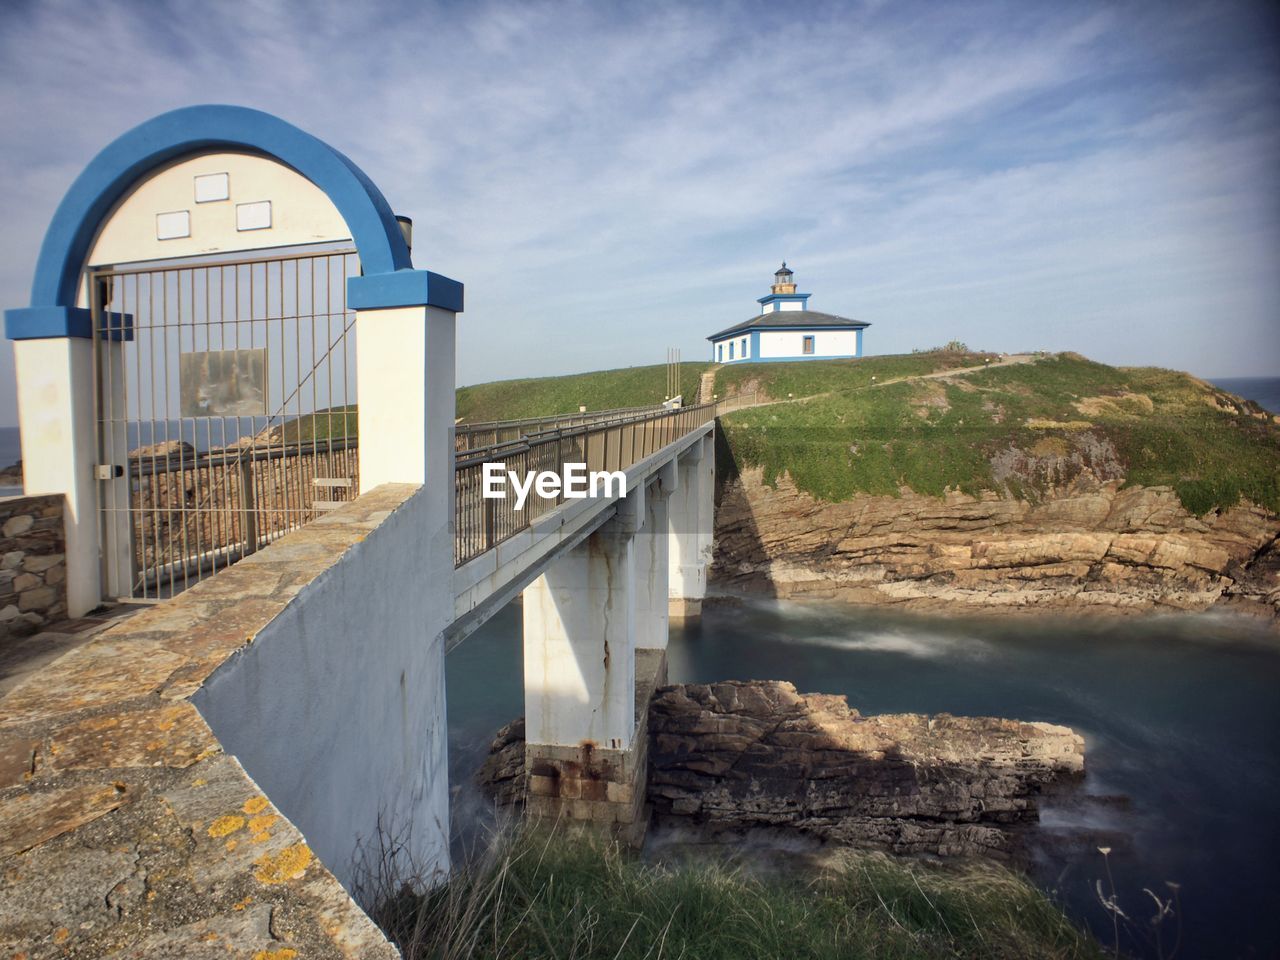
33 565
151 807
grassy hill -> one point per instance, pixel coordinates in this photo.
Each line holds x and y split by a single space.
544 396
939 420
1013 428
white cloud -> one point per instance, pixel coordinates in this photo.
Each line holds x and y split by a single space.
609 180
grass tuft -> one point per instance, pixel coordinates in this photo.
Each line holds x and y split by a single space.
539 892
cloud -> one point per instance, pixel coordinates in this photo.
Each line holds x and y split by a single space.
611 179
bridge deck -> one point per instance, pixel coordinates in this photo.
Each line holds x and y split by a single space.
485 580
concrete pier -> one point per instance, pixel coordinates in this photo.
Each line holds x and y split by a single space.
690 523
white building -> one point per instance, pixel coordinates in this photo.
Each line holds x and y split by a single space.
786 329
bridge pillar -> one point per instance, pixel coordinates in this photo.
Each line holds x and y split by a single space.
691 523
585 751
653 562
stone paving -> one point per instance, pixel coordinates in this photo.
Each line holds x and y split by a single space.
125 830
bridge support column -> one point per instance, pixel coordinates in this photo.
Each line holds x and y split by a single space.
691 523
585 750
653 564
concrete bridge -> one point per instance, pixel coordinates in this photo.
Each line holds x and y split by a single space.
190 386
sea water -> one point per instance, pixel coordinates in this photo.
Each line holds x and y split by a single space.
1180 716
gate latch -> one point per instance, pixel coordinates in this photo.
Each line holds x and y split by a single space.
108 471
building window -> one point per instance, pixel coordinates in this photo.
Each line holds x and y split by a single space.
720 347
730 349
807 345
744 348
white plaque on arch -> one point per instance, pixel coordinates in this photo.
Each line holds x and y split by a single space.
253 216
211 187
174 225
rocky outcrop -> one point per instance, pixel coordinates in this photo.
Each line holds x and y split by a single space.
743 755
1090 546
759 754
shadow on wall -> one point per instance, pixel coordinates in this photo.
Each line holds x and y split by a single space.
740 559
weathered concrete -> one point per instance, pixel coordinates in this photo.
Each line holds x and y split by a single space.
127 828
59 448
690 523
583 782
579 645
652 568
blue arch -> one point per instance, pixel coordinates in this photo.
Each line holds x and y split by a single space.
190 130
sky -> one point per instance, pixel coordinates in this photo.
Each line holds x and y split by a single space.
613 179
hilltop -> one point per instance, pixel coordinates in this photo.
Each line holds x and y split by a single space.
601 390
938 422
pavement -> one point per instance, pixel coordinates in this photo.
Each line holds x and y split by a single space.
20 657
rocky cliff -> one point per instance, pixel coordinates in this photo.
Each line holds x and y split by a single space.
1090 545
738 756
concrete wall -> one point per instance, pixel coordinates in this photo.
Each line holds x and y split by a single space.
337 709
826 343
56 414
33 564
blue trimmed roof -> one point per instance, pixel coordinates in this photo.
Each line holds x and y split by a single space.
791 320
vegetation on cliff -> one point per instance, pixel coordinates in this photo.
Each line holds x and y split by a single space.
1020 429
601 390
556 894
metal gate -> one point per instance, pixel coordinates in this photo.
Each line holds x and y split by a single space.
226 410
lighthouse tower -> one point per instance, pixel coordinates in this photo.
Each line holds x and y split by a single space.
783 294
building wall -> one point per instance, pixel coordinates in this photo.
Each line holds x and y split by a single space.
337 707
33 564
826 343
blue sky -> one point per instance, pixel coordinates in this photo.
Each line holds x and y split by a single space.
613 179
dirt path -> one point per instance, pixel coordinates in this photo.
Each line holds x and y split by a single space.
731 405
707 383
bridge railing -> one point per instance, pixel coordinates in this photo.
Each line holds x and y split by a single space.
488 433
614 444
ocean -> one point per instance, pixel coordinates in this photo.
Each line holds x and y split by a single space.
1179 716
1264 391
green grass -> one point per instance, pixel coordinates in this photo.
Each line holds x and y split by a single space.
336 422
541 894
544 396
1012 429
809 377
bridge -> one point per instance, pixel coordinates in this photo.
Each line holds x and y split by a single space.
241 392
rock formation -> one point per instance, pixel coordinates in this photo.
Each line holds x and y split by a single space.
1090 546
741 755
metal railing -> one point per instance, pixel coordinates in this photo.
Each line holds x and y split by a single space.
224 412
481 524
255 494
472 436
249 497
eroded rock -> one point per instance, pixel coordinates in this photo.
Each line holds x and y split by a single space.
1090 546
740 755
